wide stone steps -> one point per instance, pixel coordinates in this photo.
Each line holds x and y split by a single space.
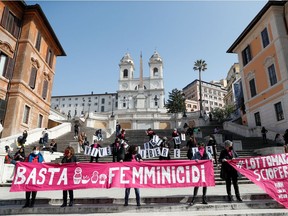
148 205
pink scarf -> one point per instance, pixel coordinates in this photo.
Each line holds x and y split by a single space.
201 151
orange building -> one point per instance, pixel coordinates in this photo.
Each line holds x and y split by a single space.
28 51
262 50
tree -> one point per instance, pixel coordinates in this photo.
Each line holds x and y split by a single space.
200 65
221 114
176 102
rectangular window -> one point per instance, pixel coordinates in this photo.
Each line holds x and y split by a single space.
38 41
45 89
265 38
33 76
10 22
49 57
102 108
40 120
257 119
3 60
246 55
272 75
279 111
26 114
252 87
103 100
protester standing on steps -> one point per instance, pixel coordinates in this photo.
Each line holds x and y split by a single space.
175 135
191 143
285 137
118 129
132 156
202 154
69 157
20 155
150 133
264 132
227 172
115 149
165 144
212 142
76 130
81 140
95 145
34 157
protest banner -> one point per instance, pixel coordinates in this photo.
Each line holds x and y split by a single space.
152 174
268 172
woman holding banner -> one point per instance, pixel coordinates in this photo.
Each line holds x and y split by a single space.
93 146
34 157
191 143
201 154
132 156
69 157
228 173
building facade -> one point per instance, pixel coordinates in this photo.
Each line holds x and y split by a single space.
262 50
232 75
77 105
28 51
213 94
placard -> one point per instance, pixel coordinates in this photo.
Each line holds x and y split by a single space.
177 153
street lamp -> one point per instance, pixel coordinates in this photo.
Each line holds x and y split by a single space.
112 115
89 104
184 111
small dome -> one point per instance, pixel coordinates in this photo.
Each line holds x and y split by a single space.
155 57
126 59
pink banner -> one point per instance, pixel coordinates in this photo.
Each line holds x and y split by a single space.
152 174
268 172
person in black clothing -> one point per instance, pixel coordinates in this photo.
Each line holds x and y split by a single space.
191 143
115 148
121 153
212 142
118 129
132 155
53 146
121 136
95 145
69 157
165 144
175 134
150 133
76 130
264 131
201 154
20 155
228 173
22 139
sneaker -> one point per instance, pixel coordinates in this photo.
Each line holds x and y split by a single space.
126 204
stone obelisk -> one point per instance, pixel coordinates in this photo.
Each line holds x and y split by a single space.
140 98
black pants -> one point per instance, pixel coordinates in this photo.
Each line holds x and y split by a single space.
32 201
137 193
94 158
196 191
235 185
71 196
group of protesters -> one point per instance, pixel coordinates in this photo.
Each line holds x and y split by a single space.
122 152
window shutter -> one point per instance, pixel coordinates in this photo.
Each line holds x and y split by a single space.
38 41
45 89
17 27
51 58
33 76
4 17
9 69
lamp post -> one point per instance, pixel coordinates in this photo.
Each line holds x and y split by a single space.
89 104
112 115
184 111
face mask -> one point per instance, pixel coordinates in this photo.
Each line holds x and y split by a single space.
231 148
36 152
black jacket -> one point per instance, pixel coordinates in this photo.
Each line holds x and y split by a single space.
226 169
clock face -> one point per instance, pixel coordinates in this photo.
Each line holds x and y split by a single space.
124 85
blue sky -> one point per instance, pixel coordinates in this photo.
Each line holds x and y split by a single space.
96 34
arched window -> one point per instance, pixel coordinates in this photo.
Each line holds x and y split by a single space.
155 72
125 73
